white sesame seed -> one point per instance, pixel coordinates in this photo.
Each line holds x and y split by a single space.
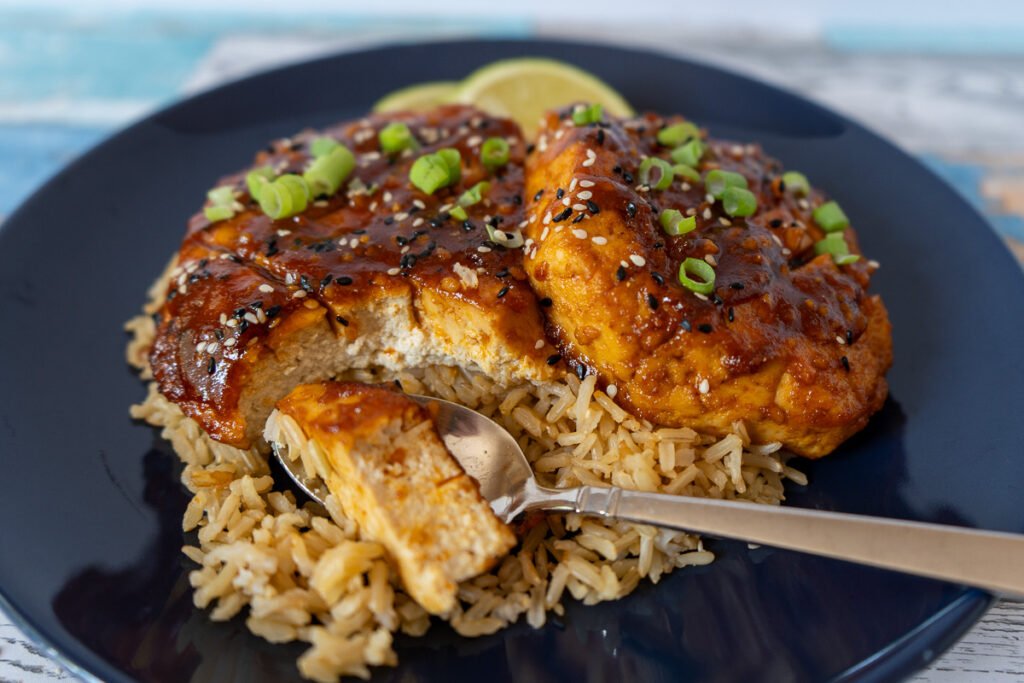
533 219
393 271
232 323
283 233
623 264
182 289
786 252
588 183
353 243
523 224
404 250
579 234
700 296
483 250
299 294
289 279
474 141
710 258
776 238
612 391
567 201
637 260
707 214
253 320
685 185
539 344
266 288
709 198
200 346
840 340
229 342
418 203
559 133
591 154
725 221
803 204
223 318
737 150
579 207
387 197
212 347
588 162
874 264
572 185
401 216
320 203
585 195
704 386
547 218
642 188
418 222
692 211
544 234
445 207
599 240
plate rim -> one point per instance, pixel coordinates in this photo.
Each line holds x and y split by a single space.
892 662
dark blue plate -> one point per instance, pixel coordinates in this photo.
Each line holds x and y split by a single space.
91 504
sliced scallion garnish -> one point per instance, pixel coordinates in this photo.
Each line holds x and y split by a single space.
322 146
494 153
474 194
218 212
700 268
830 217
688 172
739 201
222 196
689 153
717 180
834 244
326 174
431 172
584 115
396 137
284 197
453 161
677 134
655 173
459 213
223 204
505 239
674 223
257 178
796 183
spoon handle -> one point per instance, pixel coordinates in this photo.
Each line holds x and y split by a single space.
990 560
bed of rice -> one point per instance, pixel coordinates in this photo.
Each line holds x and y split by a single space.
304 572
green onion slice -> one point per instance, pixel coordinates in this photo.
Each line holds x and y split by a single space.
218 213
396 137
505 239
674 223
222 196
494 153
689 154
677 134
431 172
830 217
257 178
796 182
459 213
453 160
322 146
739 202
474 194
717 180
700 268
688 172
286 196
326 174
581 116
655 173
834 244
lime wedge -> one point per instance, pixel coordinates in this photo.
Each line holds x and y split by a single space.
523 89
417 97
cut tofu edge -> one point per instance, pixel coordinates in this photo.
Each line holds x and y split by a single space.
382 458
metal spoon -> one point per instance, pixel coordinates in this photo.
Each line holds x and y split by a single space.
990 560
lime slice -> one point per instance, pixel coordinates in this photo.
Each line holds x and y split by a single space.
523 89
417 97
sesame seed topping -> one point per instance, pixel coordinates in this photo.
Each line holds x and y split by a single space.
585 195
611 390
299 294
547 218
637 260
394 271
544 234
212 347
587 183
846 363
840 340
567 201
266 288
589 162
553 359
200 346
599 240
704 386
725 221
707 214
710 258
401 216
483 250
579 207
417 223
579 234
234 323
572 185
230 341
249 317
539 344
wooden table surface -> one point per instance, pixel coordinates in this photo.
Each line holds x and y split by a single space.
958 105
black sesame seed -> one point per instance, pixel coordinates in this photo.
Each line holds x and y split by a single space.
408 261
775 222
705 328
413 209
600 136
560 193
562 216
239 313
170 295
631 209
554 359
271 249
304 283
398 384
256 304
537 196
273 311
736 285
211 367
617 170
732 315
435 223
546 302
846 363
517 199
658 278
326 281
388 220
628 177
344 280
530 148
203 262
401 241
581 371
341 321
502 273
578 218
849 336
685 324
652 301
243 326
467 226
218 333
594 208
620 274
716 300
782 186
359 232
659 245
503 291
